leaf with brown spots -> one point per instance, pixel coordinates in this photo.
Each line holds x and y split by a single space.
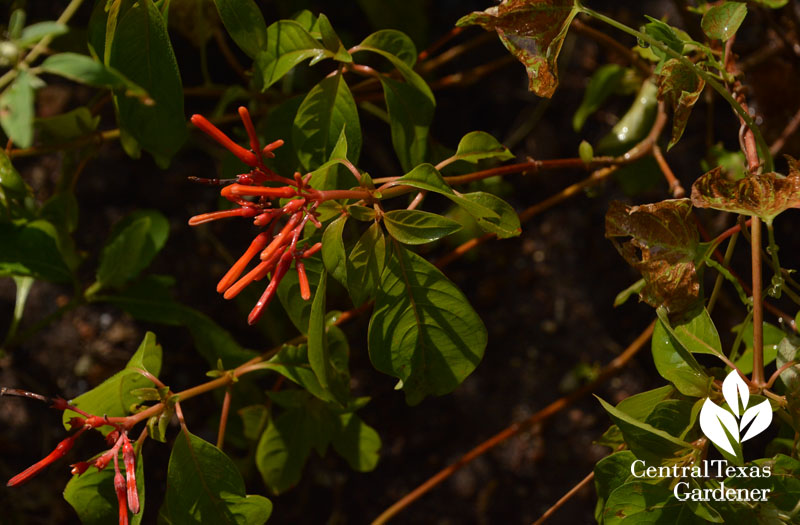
533 31
765 195
662 247
680 87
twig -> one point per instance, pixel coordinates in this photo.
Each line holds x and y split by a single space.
758 303
674 184
223 417
608 371
565 498
778 372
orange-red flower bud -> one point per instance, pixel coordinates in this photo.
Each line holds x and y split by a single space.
248 157
129 456
61 449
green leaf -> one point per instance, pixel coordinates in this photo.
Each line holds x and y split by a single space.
663 248
298 309
763 195
141 51
318 356
357 442
609 473
772 337
505 225
423 330
61 209
254 419
479 145
133 243
288 44
361 213
673 416
787 352
393 42
697 334
245 23
204 486
32 250
293 363
678 366
639 502
333 254
89 71
604 82
16 110
418 227
35 32
634 125
365 265
679 87
773 4
533 31
113 396
331 40
640 405
66 126
665 34
723 20
148 299
92 495
326 110
410 116
333 174
647 442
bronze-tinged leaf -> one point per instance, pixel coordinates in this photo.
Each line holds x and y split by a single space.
662 247
533 31
680 87
764 196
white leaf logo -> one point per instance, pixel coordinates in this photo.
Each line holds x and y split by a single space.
720 425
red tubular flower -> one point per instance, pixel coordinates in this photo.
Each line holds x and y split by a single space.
79 467
129 456
248 157
305 290
269 148
59 452
251 130
284 192
236 270
122 499
244 211
269 293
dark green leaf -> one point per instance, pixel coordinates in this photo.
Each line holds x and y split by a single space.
245 23
204 486
254 418
327 110
423 330
292 362
679 87
505 225
62 209
639 502
333 174
357 442
365 265
333 254
92 495
723 20
66 126
16 110
410 115
331 40
33 250
35 32
647 442
677 365
113 396
87 70
318 356
298 309
604 82
609 473
667 239
533 31
673 416
141 50
393 42
665 34
288 44
418 227
395 48
763 195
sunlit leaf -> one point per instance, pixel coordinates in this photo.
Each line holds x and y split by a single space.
533 31
722 21
680 88
763 195
287 45
666 239
418 227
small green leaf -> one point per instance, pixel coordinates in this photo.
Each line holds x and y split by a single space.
32 250
723 20
418 227
141 50
288 44
478 145
205 486
773 4
318 355
333 254
423 330
624 295
410 116
361 213
640 405
245 23
697 334
663 248
66 126
634 125
365 265
35 32
763 195
665 34
586 152
609 473
86 70
16 110
393 42
604 82
679 87
646 441
533 31
505 225
357 442
92 495
331 40
326 110
113 396
254 419
678 366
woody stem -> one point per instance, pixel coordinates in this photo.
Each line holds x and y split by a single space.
758 306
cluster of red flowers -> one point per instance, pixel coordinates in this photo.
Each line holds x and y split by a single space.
127 493
255 200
